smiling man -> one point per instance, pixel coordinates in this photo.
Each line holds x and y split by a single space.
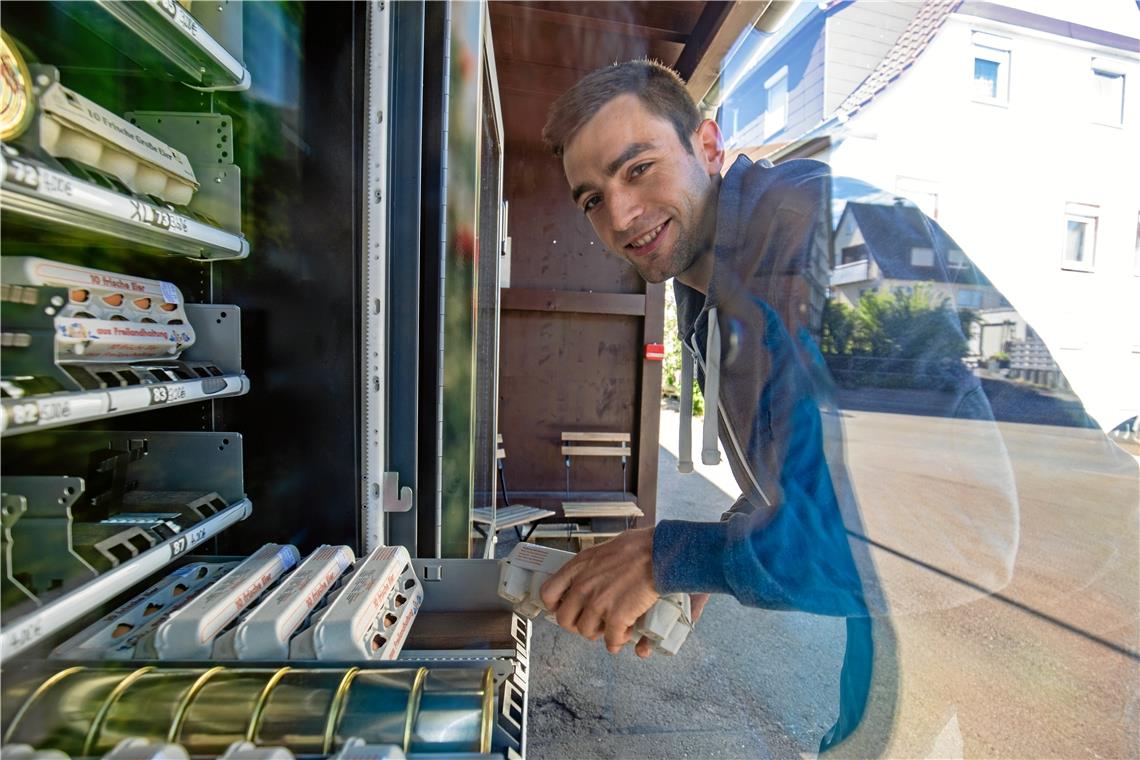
645 169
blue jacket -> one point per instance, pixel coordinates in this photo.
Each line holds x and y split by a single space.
784 543
791 541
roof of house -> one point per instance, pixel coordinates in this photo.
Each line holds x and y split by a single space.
892 231
911 43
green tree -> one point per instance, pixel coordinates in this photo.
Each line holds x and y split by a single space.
671 366
838 334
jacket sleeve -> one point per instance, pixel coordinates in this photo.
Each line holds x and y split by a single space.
795 558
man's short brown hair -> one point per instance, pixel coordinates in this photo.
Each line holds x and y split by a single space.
660 89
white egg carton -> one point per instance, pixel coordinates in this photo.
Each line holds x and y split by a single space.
72 126
116 635
264 634
371 617
190 632
107 316
521 575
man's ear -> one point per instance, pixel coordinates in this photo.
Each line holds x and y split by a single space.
708 146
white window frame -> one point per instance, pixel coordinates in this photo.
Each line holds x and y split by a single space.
925 252
1108 67
990 47
956 258
771 125
1086 214
1136 255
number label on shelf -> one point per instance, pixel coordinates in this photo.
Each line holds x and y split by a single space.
167 394
23 415
187 541
164 220
25 175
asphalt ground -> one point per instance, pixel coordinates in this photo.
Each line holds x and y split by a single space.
1046 666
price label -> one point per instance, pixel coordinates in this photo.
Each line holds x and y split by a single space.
25 635
187 22
170 294
56 185
156 217
53 411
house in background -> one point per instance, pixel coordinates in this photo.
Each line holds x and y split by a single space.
885 248
1016 125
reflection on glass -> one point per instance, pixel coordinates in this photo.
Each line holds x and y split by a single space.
921 315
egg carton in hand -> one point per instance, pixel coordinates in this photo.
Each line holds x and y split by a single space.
521 575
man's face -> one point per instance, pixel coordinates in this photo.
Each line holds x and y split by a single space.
649 198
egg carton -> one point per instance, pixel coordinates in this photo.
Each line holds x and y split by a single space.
371 617
189 632
116 635
521 575
107 316
72 126
266 631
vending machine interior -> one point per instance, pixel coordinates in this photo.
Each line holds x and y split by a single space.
250 320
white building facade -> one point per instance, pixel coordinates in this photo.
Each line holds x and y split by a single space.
1018 129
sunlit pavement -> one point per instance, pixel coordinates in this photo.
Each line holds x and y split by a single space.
1045 667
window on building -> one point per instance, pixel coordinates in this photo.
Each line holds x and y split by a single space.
1080 236
991 68
776 115
922 257
956 258
969 299
1108 94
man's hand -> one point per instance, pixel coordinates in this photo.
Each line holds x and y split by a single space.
605 589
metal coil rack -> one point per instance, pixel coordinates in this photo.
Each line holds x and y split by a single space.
88 711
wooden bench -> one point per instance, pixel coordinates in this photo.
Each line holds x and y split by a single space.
488 522
590 509
600 513
571 532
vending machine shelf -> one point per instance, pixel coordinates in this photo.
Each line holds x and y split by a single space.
40 393
31 629
163 34
33 190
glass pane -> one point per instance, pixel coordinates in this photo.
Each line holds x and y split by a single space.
1075 241
986 78
1108 94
